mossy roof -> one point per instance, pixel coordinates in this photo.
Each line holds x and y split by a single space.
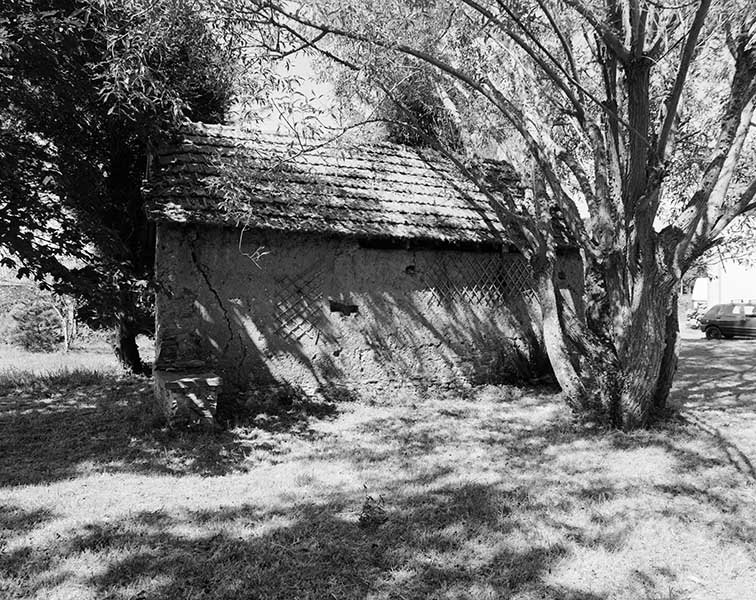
366 190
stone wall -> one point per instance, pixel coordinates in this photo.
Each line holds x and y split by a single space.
320 313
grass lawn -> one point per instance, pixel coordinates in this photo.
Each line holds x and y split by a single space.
492 494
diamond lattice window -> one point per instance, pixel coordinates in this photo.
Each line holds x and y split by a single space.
298 308
480 279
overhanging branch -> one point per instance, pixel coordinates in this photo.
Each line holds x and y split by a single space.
609 38
673 100
486 89
530 51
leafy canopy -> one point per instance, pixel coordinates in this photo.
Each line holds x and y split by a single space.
85 89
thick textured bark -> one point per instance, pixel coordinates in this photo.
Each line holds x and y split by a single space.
669 361
127 350
563 361
637 81
640 356
617 368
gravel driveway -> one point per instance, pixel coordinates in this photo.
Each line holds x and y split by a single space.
716 388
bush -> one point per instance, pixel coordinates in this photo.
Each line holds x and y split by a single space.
37 327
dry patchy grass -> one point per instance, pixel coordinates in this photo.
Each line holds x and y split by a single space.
493 494
27 373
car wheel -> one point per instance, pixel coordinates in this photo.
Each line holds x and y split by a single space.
713 333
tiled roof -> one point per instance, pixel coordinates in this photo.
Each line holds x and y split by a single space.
376 190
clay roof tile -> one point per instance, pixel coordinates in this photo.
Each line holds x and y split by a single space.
376 190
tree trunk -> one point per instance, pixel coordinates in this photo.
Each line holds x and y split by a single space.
641 356
61 310
66 336
669 360
622 374
127 350
71 322
562 358
67 315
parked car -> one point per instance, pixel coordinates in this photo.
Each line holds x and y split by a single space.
729 320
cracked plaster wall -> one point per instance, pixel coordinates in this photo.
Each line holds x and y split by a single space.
263 325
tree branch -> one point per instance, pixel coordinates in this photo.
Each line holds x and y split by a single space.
673 100
707 209
580 109
581 177
547 68
743 205
607 35
486 89
638 18
562 39
662 33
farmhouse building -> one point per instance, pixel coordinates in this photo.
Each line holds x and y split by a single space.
352 270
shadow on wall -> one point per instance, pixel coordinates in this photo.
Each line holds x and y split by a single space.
330 318
488 355
217 312
378 343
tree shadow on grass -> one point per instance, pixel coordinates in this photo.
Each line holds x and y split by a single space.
441 535
56 432
558 487
589 466
16 520
717 375
322 552
715 391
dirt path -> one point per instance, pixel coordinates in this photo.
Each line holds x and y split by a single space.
716 388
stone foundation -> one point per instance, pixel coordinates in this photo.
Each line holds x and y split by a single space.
187 398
